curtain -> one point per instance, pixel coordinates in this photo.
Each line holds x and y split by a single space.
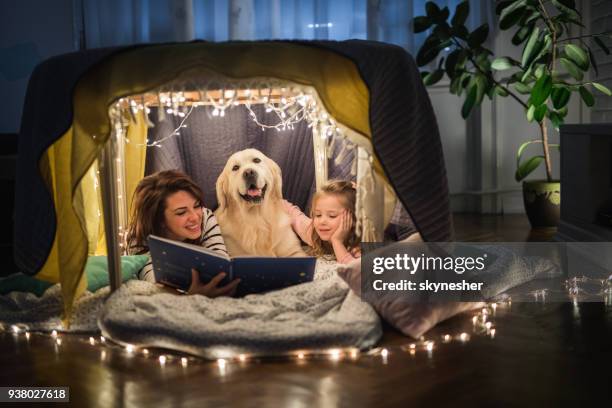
122 22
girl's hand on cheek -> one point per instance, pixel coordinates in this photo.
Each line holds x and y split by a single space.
344 229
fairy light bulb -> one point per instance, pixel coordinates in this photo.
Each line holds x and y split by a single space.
242 358
129 348
184 362
145 352
92 341
215 112
54 333
334 355
27 335
162 360
384 353
102 339
463 337
300 356
221 363
222 113
447 338
58 341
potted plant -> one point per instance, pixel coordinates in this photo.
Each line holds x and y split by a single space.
552 67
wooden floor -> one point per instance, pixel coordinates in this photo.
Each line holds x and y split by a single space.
549 354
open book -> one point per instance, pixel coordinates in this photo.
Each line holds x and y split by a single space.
173 260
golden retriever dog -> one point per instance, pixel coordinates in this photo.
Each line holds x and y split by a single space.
250 213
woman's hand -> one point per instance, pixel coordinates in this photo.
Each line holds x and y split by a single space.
211 289
344 229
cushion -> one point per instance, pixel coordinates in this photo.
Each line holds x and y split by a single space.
412 319
96 270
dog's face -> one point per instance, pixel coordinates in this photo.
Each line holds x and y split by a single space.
249 178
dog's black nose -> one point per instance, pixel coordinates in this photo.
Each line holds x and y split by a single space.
249 174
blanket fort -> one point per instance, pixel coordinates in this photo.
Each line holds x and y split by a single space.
374 90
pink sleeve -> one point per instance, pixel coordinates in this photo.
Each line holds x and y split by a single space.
351 255
301 224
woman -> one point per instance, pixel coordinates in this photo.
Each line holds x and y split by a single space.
169 204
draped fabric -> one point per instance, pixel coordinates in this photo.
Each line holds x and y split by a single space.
373 89
123 22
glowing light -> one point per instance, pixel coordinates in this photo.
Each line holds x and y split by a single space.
334 355
488 325
58 341
162 360
221 363
300 356
474 319
145 352
354 354
184 361
429 346
412 346
54 333
384 353
463 337
242 357
92 341
492 333
447 338
102 339
16 329
129 348
27 335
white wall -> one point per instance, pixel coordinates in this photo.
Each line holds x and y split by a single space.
30 31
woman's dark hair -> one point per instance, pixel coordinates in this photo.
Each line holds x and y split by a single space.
149 204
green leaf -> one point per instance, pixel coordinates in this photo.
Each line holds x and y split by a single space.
433 77
451 63
541 90
530 113
560 96
571 68
601 88
501 91
587 96
460 32
461 13
530 50
469 102
510 15
481 86
442 31
429 50
432 9
556 119
500 64
601 45
578 56
421 24
528 167
540 113
522 88
478 36
522 34
593 62
567 8
502 5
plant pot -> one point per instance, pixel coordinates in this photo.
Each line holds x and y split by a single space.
542 202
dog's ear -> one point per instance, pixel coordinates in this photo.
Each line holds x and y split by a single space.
277 190
222 190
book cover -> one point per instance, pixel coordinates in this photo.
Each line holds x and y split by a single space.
173 260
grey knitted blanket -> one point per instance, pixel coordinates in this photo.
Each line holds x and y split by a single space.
316 315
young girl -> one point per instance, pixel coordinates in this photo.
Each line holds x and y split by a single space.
331 228
169 204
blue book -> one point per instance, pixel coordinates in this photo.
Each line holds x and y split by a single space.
173 260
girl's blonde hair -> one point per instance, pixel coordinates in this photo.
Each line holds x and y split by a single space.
345 191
